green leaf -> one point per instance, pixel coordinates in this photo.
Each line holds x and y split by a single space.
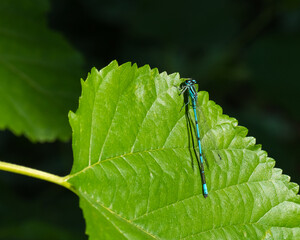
137 178
38 72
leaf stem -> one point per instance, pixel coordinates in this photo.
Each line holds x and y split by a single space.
10 167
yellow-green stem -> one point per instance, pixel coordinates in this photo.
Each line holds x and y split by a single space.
35 173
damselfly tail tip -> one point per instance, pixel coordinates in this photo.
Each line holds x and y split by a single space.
205 192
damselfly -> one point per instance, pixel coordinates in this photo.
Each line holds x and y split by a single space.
190 86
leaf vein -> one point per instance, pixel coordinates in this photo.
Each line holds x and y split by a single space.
118 216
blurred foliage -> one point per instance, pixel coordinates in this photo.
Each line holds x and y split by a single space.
38 71
244 53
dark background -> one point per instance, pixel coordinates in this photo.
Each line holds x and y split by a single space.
244 53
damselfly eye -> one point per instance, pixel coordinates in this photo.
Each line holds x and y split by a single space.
194 81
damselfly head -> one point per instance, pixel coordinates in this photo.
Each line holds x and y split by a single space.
190 81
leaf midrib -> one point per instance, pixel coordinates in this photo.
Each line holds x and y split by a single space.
70 176
121 156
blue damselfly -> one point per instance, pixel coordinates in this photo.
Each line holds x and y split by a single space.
189 85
